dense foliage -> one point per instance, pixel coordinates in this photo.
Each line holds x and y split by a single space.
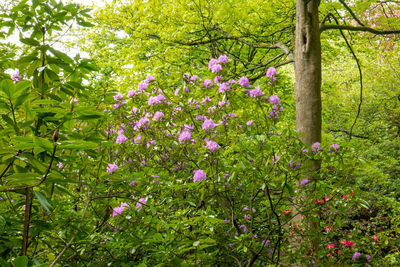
164 150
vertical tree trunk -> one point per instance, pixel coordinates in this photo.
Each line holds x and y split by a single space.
308 71
308 95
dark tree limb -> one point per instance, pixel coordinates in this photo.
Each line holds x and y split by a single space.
351 12
357 29
361 77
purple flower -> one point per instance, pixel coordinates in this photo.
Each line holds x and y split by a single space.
15 77
149 79
207 83
186 75
216 68
142 86
139 204
247 217
274 99
271 72
212 62
217 78
244 228
194 78
223 88
304 181
250 122
244 82
356 255
223 59
265 243
117 97
120 209
59 165
201 117
158 115
211 145
132 183
199 175
226 220
275 160
185 135
208 124
205 99
121 139
256 92
333 148
316 147
112 168
138 139
368 257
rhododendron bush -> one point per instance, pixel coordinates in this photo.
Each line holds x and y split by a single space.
202 170
205 172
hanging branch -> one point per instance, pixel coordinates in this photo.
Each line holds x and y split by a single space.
351 12
360 73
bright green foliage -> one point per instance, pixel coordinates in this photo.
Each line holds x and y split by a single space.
62 124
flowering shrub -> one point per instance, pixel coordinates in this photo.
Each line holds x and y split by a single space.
226 172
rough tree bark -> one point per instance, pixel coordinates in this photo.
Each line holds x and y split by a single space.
308 95
308 71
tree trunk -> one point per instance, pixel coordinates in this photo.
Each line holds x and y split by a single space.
308 71
308 97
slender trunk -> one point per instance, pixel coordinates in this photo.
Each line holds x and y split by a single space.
308 94
27 221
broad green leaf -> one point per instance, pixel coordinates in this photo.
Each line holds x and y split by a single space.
30 41
21 261
43 201
61 55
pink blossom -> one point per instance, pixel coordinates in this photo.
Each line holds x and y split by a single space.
244 82
211 145
247 217
223 59
208 124
199 175
216 68
316 147
158 115
121 139
274 99
112 168
271 72
185 135
120 209
117 97
142 86
141 201
207 83
59 165
149 79
250 122
223 88
329 246
15 77
333 148
212 62
217 78
256 92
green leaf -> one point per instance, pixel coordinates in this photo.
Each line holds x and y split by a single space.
21 261
22 85
30 41
43 143
43 201
8 87
61 55
3 263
